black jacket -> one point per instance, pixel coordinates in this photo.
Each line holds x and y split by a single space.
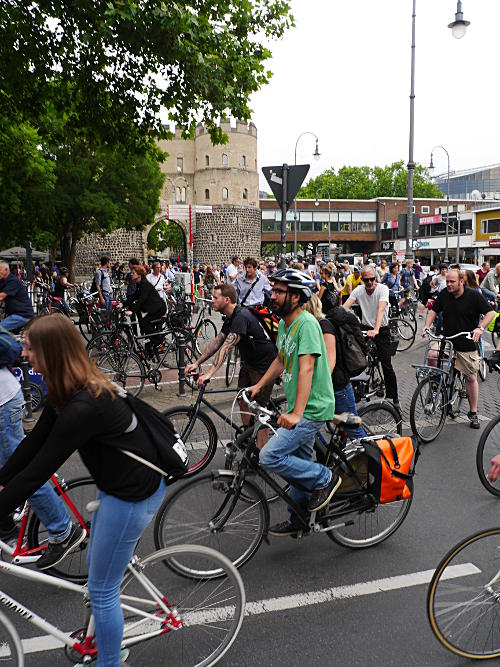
146 299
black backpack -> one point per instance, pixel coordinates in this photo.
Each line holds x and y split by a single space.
93 287
330 297
350 339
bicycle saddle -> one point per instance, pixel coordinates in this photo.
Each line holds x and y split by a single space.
346 419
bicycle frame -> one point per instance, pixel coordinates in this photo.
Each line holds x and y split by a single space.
86 647
20 553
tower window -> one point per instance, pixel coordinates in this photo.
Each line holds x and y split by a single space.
243 161
207 161
224 160
180 164
245 193
180 195
207 193
225 193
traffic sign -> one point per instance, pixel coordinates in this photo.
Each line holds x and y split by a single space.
295 177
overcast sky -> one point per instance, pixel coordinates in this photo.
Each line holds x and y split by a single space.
344 73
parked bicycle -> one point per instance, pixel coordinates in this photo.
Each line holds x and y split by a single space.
488 447
193 621
227 510
441 387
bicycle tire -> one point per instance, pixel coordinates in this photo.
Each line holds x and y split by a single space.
124 368
189 513
488 446
366 528
462 601
232 359
199 438
483 364
212 611
422 401
206 330
458 394
11 648
404 332
380 417
37 397
495 339
74 567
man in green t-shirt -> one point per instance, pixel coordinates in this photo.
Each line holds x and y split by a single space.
303 361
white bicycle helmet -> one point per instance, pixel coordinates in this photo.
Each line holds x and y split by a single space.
296 280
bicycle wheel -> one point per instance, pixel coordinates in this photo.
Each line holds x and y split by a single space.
207 613
74 567
458 395
483 364
232 359
37 397
462 599
404 332
193 511
200 438
206 331
427 409
367 527
487 448
381 418
123 367
11 649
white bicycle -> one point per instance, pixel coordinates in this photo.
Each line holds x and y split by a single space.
193 621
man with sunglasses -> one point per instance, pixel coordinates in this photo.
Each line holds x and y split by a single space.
373 299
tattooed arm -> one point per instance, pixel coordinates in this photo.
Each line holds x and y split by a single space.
211 347
220 356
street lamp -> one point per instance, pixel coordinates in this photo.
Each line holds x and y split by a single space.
316 203
431 168
316 156
458 26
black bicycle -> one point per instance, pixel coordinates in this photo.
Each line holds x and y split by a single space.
227 510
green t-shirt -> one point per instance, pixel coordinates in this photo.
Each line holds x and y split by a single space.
304 337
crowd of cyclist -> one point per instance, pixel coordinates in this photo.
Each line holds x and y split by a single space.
306 354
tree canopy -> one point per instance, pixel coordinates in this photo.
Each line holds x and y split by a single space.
116 63
167 234
369 183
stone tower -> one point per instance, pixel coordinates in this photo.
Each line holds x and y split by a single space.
223 177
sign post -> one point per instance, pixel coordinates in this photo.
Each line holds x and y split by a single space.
285 182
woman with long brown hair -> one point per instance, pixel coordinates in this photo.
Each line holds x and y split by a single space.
84 413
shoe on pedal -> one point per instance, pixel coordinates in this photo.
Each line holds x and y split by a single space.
321 496
55 553
287 529
473 420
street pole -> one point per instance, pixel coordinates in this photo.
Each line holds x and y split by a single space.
316 156
431 167
329 229
458 237
411 163
283 215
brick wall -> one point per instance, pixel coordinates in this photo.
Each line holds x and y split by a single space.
230 230
119 245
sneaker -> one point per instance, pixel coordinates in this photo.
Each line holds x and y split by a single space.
55 553
287 529
321 497
473 420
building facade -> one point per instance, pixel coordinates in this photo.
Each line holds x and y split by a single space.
478 183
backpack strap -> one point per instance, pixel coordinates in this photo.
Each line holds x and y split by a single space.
251 288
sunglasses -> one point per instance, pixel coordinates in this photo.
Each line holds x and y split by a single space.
369 280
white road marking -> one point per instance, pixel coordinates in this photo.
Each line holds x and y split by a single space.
47 642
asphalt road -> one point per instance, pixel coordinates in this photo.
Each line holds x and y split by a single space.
318 609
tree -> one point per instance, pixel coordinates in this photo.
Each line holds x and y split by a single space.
116 63
167 234
370 182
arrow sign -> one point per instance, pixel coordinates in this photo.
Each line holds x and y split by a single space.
296 176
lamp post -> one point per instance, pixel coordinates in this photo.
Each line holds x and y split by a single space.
316 203
411 163
379 235
316 156
458 26
431 168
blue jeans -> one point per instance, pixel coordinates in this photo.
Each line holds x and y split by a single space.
116 528
11 323
48 506
344 402
289 453
438 323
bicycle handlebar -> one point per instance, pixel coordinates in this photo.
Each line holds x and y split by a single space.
253 404
467 334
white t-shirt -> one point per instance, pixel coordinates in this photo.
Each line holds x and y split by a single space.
439 282
231 272
158 283
9 386
369 304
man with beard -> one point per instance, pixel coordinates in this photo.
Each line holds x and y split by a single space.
241 328
303 361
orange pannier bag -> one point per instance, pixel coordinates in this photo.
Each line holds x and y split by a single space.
391 467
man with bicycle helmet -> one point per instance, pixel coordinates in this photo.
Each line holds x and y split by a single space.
303 361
